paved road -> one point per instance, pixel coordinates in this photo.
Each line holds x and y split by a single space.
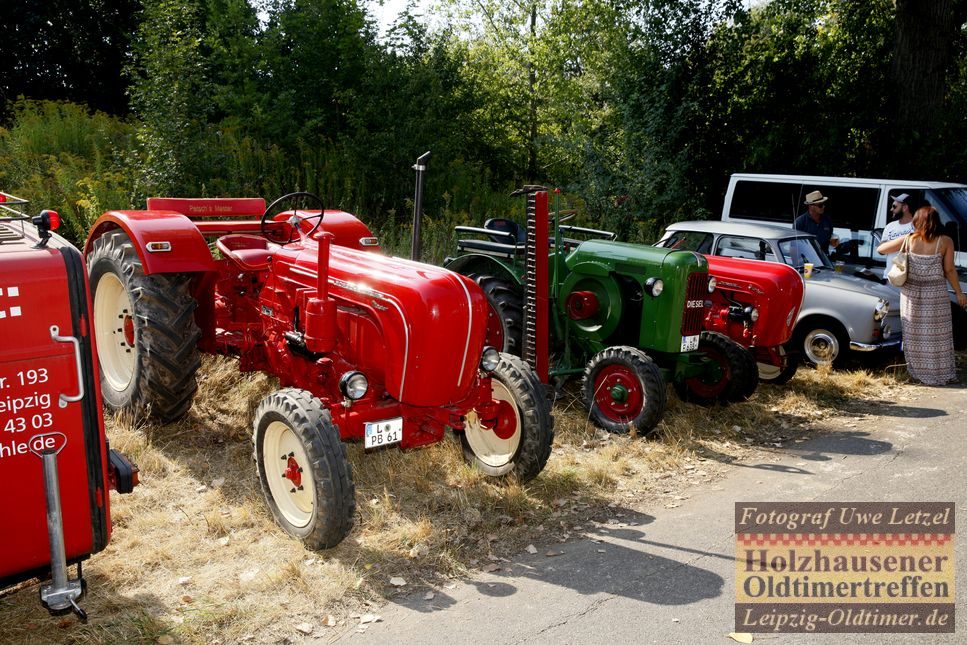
669 576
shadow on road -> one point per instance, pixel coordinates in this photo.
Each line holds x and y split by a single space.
616 561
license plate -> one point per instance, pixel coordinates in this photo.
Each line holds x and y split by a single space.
689 343
383 433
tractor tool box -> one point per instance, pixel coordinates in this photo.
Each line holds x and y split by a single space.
55 465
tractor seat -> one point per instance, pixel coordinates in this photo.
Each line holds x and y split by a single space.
249 252
506 226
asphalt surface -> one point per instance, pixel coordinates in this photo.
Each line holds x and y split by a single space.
668 575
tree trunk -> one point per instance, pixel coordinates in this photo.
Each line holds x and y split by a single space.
924 57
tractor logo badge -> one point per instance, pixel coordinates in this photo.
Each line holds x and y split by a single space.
695 304
14 311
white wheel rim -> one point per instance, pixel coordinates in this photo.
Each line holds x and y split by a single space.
490 449
821 346
768 371
280 448
114 329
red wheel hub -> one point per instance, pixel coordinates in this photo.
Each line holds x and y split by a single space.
500 417
714 381
293 472
127 327
618 393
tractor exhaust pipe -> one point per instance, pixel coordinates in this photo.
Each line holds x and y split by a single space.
420 168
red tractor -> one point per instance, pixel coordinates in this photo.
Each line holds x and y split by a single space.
756 304
53 452
367 347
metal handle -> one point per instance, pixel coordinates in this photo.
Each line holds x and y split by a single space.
64 399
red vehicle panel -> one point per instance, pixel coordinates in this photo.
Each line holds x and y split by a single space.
775 290
38 378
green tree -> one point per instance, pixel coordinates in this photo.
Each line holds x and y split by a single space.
70 50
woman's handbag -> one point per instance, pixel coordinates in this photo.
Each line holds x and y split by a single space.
898 272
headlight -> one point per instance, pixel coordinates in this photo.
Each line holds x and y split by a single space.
751 313
712 282
489 359
654 286
353 385
881 309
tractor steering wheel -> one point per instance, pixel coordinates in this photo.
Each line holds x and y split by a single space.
294 222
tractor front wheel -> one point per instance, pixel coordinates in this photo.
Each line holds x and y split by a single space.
729 371
515 434
303 468
623 388
146 332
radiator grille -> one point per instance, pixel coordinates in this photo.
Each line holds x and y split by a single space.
693 316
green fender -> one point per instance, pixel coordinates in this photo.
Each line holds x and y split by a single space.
479 264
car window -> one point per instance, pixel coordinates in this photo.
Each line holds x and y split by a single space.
749 248
688 241
796 251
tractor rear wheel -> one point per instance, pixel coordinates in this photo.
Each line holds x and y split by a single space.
146 332
727 377
519 440
303 468
623 388
506 327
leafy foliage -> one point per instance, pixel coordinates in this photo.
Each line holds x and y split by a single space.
639 111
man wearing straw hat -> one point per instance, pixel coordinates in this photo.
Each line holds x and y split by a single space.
814 219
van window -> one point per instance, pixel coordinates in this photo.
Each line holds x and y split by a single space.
767 201
849 207
951 203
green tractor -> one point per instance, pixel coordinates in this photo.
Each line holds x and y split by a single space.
572 300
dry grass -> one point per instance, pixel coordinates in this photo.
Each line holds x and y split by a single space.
195 555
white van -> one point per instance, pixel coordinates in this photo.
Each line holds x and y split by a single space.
859 209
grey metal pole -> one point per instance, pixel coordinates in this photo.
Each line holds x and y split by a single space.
61 594
416 242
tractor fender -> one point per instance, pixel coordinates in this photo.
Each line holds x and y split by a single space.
479 264
593 278
185 252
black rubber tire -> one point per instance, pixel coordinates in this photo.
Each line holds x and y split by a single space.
826 327
737 371
329 472
536 423
506 299
748 382
791 358
165 333
634 362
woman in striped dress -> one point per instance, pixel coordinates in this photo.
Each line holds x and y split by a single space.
924 303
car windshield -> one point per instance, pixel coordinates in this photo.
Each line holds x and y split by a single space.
797 251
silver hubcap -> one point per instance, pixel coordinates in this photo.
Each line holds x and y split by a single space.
821 346
114 328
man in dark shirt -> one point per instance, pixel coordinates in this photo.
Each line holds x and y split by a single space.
814 219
